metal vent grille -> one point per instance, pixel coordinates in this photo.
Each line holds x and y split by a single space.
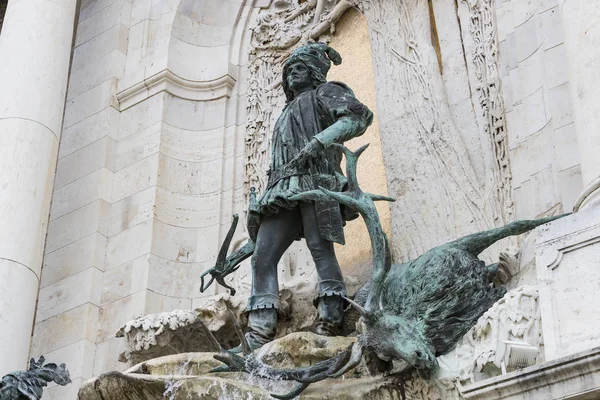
519 355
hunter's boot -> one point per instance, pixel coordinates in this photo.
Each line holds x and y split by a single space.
262 326
331 314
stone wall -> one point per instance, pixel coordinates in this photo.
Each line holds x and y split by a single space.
568 273
69 310
148 174
544 152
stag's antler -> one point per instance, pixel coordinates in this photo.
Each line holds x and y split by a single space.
333 367
363 202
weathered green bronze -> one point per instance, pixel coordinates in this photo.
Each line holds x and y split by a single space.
318 114
227 265
29 385
415 311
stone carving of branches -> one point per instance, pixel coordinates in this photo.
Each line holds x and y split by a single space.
484 63
427 130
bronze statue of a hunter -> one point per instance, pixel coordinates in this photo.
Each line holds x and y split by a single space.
317 114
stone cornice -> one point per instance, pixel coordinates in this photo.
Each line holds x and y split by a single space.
567 377
166 81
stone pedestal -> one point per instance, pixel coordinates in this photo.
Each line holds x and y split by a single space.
35 49
582 40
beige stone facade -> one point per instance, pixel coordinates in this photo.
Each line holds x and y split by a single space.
132 130
351 40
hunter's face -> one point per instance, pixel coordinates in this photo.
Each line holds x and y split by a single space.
299 77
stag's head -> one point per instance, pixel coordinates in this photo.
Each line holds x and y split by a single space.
393 337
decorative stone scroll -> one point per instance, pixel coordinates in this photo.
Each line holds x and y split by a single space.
180 331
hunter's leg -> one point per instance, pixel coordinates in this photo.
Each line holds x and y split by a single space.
331 282
275 235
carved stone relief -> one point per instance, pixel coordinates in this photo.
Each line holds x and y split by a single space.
483 64
515 317
427 162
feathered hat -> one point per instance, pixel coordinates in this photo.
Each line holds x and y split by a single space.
315 55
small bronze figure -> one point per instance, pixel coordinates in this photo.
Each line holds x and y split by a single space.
317 114
30 384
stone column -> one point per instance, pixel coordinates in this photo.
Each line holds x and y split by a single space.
582 39
35 50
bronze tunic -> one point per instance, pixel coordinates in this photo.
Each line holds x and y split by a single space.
303 118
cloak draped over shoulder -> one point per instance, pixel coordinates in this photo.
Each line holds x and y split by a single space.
305 118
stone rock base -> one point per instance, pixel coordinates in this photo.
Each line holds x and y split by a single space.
239 386
187 376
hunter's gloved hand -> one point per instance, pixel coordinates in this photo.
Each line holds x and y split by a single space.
311 150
